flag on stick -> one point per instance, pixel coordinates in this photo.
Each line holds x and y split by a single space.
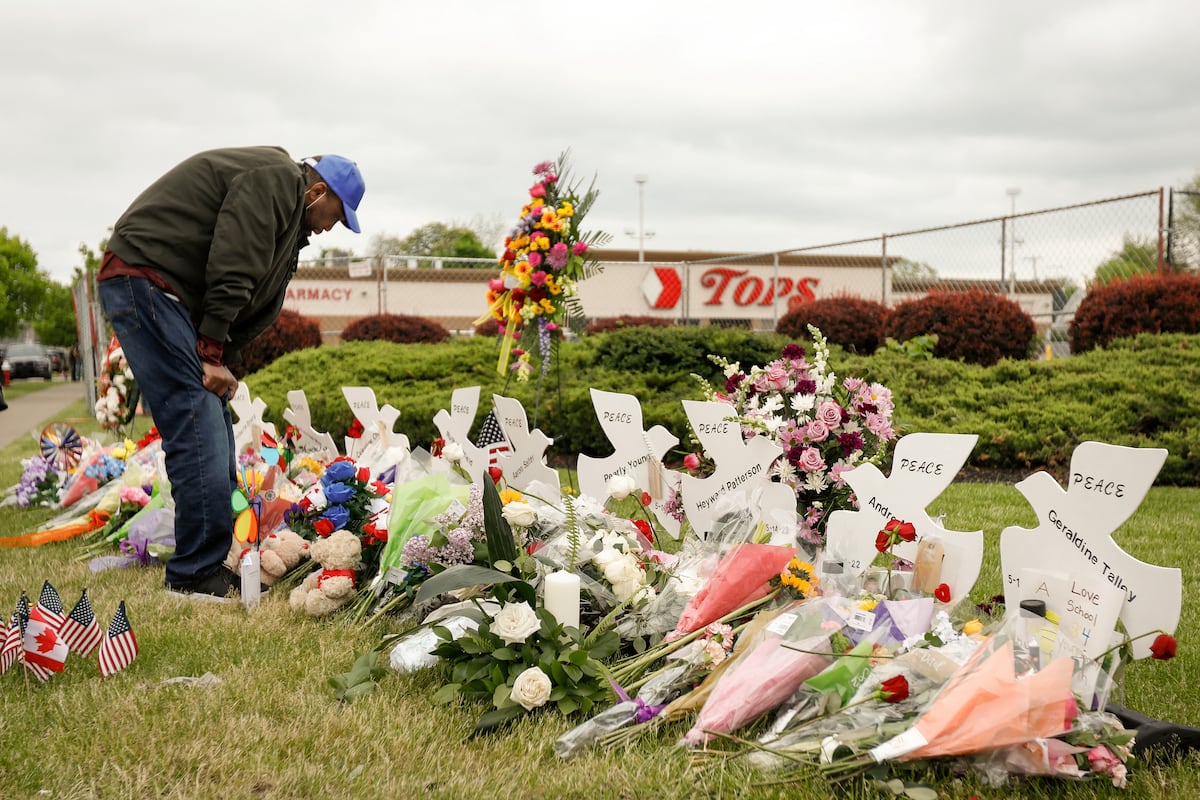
492 438
45 651
51 605
80 630
119 647
10 650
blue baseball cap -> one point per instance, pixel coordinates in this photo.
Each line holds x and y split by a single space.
342 176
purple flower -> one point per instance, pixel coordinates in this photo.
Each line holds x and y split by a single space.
806 386
793 351
733 382
850 442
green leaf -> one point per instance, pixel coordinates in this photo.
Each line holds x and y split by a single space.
573 672
578 657
921 792
502 566
459 576
500 543
504 654
568 705
499 716
447 694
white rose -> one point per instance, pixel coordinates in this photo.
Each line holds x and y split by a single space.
624 590
519 514
119 381
514 622
620 487
128 373
453 452
605 557
531 689
622 570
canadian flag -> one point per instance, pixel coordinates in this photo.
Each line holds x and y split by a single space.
43 646
662 287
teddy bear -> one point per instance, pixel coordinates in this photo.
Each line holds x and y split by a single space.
278 553
333 586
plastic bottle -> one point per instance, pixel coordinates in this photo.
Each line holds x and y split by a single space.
251 588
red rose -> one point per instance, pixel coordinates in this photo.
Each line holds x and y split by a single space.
646 499
356 429
883 542
942 593
1163 648
533 546
364 474
305 503
904 530
496 474
644 526
894 689
323 527
436 447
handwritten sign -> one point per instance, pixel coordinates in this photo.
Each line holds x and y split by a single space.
374 420
526 463
742 469
307 441
923 465
1105 486
636 452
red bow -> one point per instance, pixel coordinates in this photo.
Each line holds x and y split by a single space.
337 573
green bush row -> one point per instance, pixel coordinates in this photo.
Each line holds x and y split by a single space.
1028 415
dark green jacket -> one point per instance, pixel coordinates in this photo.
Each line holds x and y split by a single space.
224 228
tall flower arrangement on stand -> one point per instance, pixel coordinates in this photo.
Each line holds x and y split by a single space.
824 426
544 257
117 387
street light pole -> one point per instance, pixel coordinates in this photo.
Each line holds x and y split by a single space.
641 184
1012 193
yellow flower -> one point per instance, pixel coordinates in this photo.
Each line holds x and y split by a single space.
510 496
522 270
549 219
972 627
547 305
566 210
869 604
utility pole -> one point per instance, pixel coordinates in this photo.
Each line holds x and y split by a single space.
641 232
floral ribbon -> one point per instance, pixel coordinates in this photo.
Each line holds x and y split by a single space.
645 711
137 550
337 573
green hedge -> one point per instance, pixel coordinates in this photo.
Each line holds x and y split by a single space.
1028 414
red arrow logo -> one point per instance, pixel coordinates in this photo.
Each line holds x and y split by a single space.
662 287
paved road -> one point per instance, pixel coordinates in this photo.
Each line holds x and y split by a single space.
26 416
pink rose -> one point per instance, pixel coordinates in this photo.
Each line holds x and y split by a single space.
830 413
496 285
817 431
537 190
691 461
538 278
535 260
773 377
559 254
811 460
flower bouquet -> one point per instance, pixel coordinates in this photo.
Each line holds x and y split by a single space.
823 426
521 659
545 255
118 391
40 483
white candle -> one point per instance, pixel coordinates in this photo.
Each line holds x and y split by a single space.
561 597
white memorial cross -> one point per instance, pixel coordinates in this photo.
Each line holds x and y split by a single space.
526 463
635 452
249 427
923 465
308 441
741 467
1105 486
375 420
455 426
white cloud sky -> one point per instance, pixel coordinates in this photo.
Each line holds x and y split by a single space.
765 126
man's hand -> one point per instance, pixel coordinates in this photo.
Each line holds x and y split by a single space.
219 380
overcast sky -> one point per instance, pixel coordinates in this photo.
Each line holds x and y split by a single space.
758 126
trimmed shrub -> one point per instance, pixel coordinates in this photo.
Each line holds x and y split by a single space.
398 328
1144 304
489 327
857 324
682 350
625 321
974 326
291 331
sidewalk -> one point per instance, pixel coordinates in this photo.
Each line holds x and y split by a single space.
26 416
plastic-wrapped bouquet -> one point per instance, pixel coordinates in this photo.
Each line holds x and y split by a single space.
824 426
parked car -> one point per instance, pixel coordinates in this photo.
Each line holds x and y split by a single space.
28 361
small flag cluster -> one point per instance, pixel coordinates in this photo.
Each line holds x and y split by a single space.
40 637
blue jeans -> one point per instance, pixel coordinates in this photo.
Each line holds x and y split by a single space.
159 341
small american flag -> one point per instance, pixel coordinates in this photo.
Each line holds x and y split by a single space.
80 630
119 647
10 650
492 439
51 605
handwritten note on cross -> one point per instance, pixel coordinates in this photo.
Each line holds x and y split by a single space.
249 426
455 426
308 441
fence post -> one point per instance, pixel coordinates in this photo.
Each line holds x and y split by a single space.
1003 250
1161 270
884 284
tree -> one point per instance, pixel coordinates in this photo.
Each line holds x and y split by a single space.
55 323
907 270
439 239
22 284
1185 226
1137 256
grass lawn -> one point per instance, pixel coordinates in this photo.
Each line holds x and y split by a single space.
271 728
